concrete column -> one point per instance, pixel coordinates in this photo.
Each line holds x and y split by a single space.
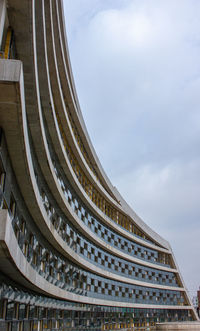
2 18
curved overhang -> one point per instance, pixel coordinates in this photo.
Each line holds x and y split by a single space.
12 89
15 75
12 258
33 116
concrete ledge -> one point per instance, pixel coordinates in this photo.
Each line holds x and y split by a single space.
178 326
10 70
11 91
14 264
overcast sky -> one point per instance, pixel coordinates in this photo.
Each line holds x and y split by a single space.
136 65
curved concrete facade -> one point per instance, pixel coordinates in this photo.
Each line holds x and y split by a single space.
69 243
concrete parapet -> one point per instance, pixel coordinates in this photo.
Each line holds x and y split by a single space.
178 326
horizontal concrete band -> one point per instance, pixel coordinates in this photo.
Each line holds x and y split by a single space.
11 71
178 326
80 224
67 71
61 46
77 259
28 276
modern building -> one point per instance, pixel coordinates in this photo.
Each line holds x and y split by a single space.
73 254
198 302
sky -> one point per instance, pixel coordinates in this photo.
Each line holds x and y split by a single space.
136 65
